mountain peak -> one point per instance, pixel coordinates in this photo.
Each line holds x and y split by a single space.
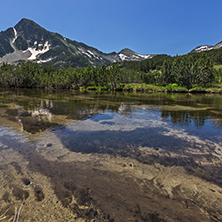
25 20
30 42
126 51
129 55
26 24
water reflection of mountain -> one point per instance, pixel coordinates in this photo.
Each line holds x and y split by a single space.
35 111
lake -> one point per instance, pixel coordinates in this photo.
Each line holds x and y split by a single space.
77 156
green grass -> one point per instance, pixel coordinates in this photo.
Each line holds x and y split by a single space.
142 87
152 88
216 88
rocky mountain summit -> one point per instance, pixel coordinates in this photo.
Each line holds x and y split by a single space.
30 42
203 48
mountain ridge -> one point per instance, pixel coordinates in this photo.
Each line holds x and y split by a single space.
30 42
203 48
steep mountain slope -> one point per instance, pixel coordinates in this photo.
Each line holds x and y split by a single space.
29 41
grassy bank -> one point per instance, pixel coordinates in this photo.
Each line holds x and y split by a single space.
174 88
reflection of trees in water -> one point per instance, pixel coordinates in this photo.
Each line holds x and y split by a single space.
78 106
198 118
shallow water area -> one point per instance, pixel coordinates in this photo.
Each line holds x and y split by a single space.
110 157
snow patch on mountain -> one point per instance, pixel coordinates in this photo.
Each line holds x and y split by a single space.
123 57
203 48
217 46
90 53
134 57
44 61
34 52
16 36
146 56
85 53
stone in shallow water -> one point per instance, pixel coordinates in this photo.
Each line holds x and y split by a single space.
49 145
39 193
26 181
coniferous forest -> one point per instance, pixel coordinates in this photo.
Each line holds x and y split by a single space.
197 69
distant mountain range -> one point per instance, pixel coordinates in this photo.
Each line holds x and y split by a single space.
30 42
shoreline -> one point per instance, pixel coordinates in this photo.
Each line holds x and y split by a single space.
137 88
147 88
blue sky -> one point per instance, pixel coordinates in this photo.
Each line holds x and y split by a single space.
145 26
